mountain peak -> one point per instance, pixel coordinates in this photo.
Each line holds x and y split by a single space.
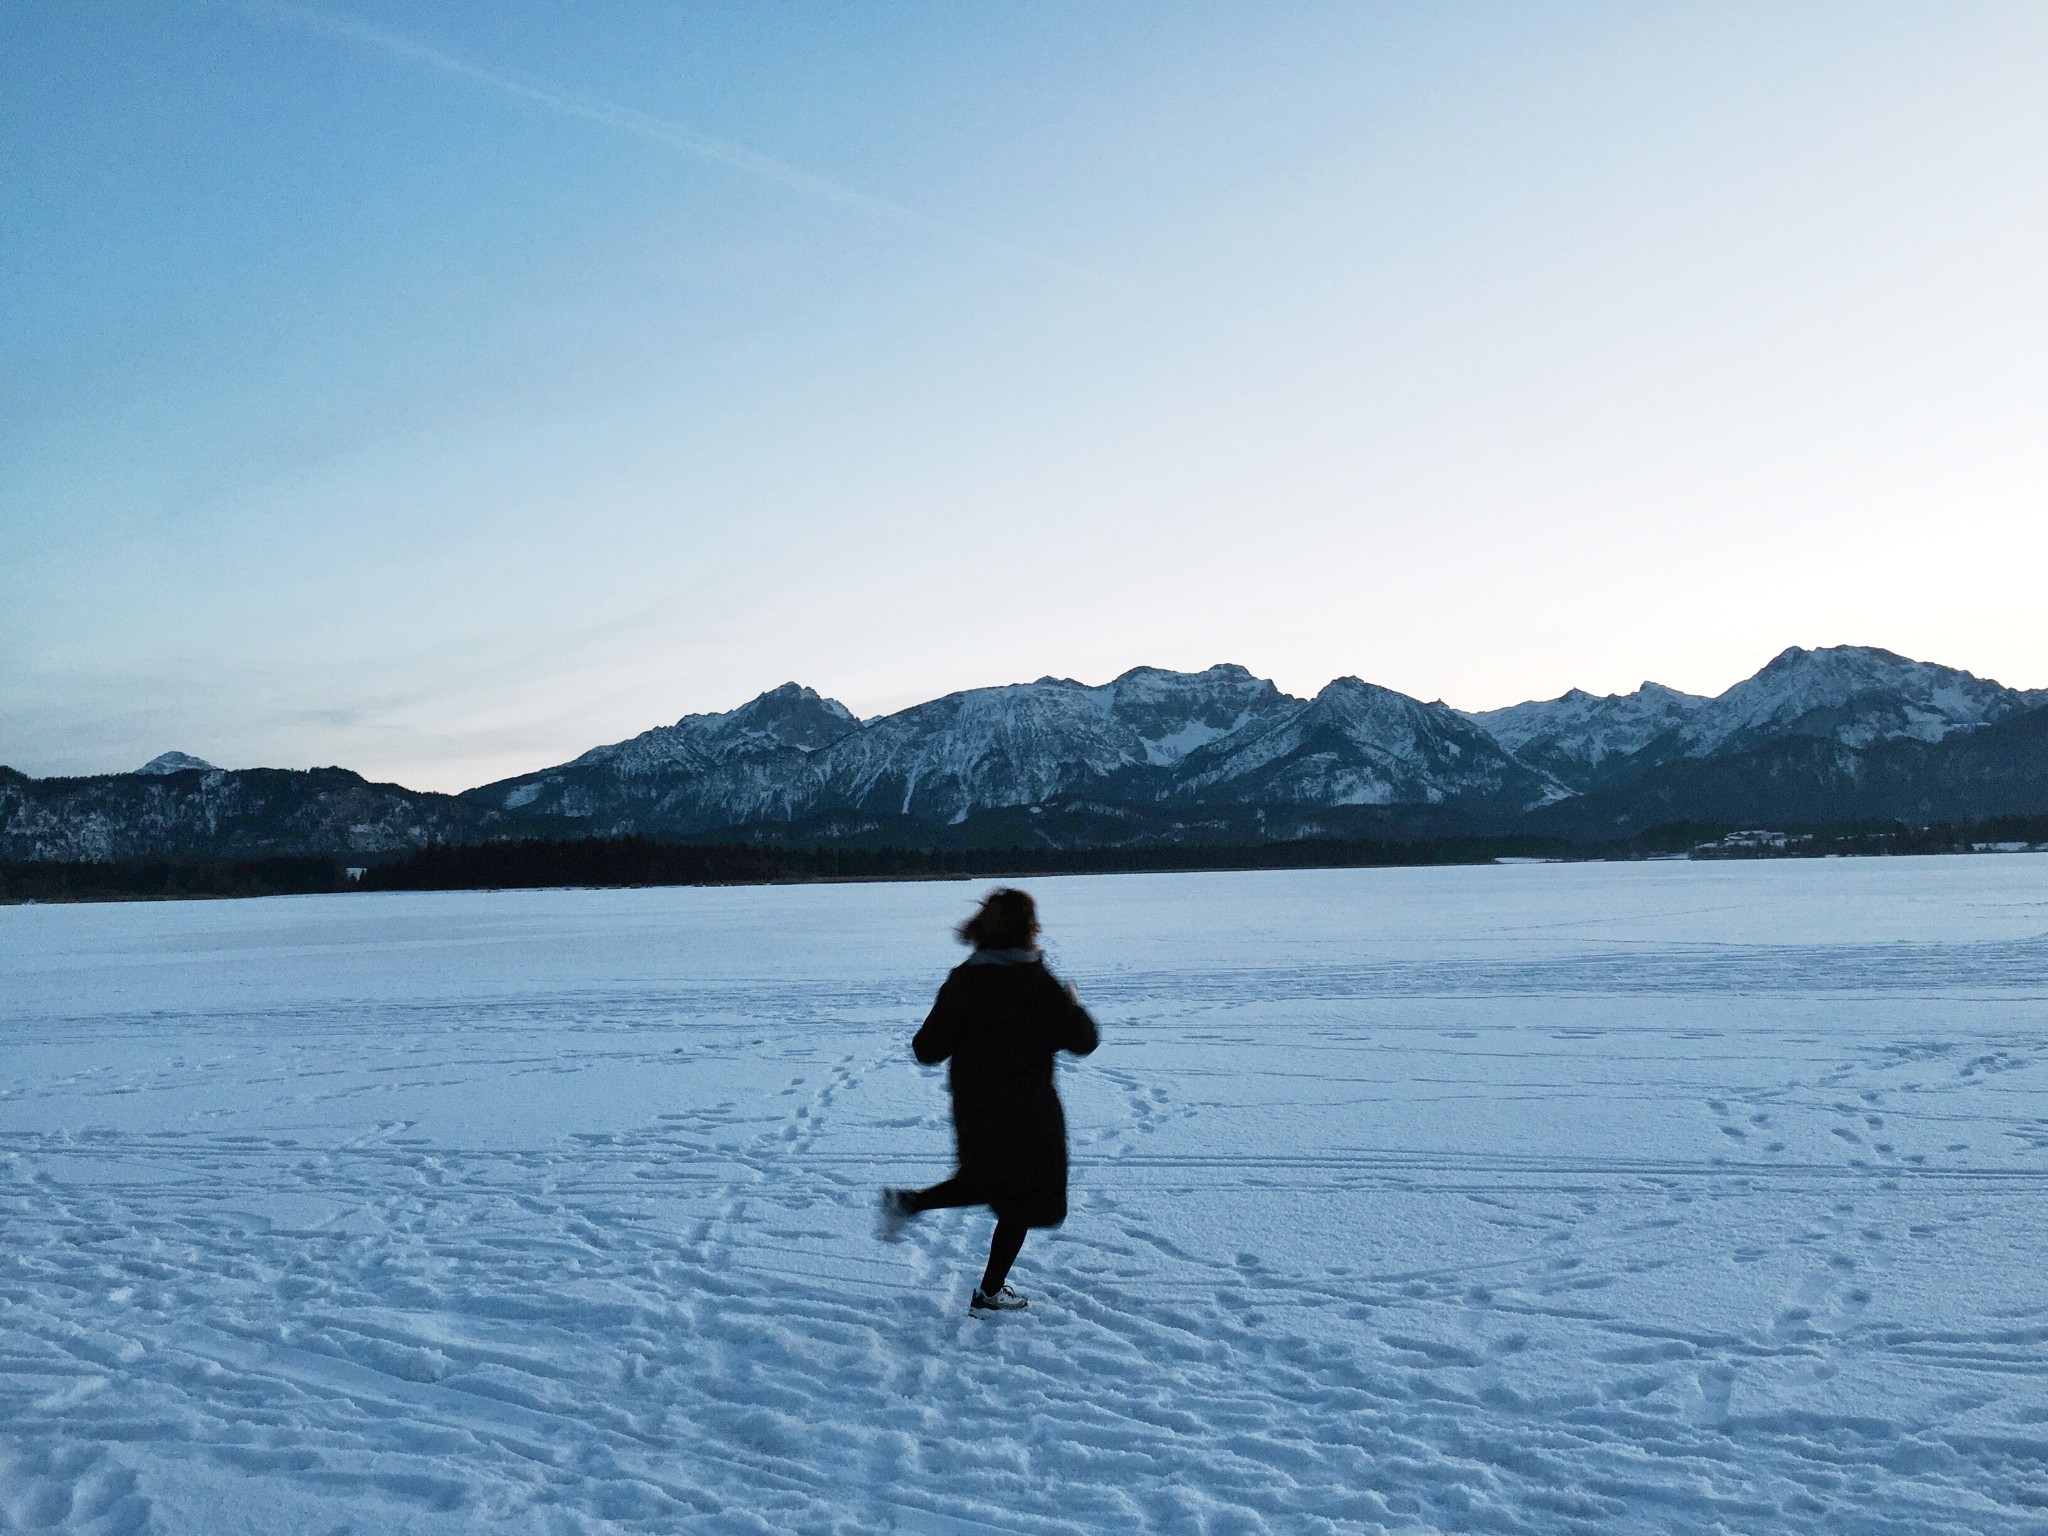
781 699
1355 692
1853 694
174 762
1358 743
1793 655
1578 736
1222 671
1349 683
790 715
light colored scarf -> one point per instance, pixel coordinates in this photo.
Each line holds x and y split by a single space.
1003 957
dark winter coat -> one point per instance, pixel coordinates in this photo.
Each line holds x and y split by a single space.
998 1021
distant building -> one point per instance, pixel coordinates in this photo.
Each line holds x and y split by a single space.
1754 843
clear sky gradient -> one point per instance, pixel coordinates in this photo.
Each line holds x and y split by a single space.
442 389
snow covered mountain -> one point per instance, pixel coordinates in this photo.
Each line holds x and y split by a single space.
1146 738
1219 756
1581 738
1030 742
1850 695
1856 695
175 762
1996 770
1356 743
785 718
790 753
218 813
708 770
1835 734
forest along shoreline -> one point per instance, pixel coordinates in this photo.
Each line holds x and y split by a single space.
597 862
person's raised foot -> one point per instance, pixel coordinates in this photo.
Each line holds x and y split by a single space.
892 1215
1004 1300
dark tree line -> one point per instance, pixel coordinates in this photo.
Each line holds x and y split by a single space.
538 862
642 861
148 879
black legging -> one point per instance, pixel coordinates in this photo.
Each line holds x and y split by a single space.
1002 1248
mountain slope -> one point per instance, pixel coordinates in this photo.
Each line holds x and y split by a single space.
1582 739
1809 780
1359 744
705 771
1219 756
1856 695
1852 696
219 813
173 762
992 747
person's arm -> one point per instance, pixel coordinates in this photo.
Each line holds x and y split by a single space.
1077 1031
936 1041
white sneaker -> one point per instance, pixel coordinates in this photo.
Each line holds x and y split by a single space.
893 1215
1005 1300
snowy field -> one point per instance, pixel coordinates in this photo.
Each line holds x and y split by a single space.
1657 1197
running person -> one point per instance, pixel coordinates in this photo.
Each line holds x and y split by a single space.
999 1020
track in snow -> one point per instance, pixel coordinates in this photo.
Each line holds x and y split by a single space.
1538 1199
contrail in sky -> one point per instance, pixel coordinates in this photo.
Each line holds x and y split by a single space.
656 130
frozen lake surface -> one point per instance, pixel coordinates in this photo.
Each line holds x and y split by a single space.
1615 1198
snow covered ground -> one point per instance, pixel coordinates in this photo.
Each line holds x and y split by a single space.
1657 1197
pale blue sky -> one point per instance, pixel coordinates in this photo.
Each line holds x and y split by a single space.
441 389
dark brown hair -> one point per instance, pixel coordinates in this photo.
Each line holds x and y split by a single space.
1008 919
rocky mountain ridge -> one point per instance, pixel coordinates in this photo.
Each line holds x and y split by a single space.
1147 739
1153 755
217 813
1582 739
